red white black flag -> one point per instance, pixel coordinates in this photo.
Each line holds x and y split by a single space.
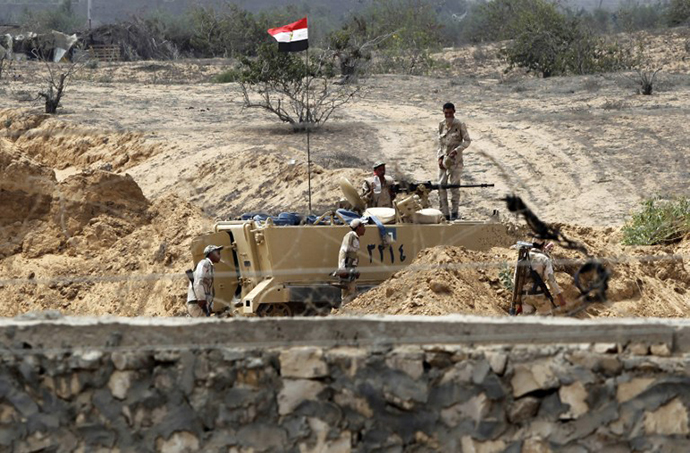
292 37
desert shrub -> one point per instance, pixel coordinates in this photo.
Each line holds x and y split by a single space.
645 81
299 93
678 13
505 276
225 33
658 222
397 35
499 20
227 76
62 19
633 16
551 43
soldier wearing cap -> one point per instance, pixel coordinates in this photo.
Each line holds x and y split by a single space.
377 191
200 293
453 139
348 261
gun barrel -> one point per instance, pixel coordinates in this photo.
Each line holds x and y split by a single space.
411 187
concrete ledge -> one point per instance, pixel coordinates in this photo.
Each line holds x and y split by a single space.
157 333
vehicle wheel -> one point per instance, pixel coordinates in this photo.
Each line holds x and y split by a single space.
274 310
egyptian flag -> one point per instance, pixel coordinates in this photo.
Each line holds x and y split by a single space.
292 37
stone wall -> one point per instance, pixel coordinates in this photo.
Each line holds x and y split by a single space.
148 385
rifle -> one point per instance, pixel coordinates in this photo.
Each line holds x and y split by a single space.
410 187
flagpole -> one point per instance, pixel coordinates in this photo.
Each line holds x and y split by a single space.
308 132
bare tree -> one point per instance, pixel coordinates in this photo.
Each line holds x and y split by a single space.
56 78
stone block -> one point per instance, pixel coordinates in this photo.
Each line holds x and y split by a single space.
536 445
470 445
638 348
347 359
497 361
629 390
523 409
347 398
408 360
321 430
669 419
528 377
404 392
179 442
475 409
575 396
303 362
606 363
661 350
262 437
294 392
119 383
131 360
605 348
88 359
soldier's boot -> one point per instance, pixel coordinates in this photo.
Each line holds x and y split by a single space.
443 205
455 207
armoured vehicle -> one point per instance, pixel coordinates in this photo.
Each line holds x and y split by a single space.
269 269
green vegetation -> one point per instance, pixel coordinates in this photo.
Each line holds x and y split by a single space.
299 93
505 276
658 222
63 19
227 76
678 13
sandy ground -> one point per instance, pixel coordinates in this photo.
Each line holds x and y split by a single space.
581 151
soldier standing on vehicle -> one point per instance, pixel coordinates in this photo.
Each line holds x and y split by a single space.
200 293
377 191
348 261
453 139
540 261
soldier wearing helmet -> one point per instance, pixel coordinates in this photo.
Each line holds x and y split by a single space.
200 292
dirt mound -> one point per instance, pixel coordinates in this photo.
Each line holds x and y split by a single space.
91 244
137 274
645 281
264 181
26 196
86 211
59 144
441 280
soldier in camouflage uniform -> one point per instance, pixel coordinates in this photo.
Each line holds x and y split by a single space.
453 139
377 191
540 261
348 260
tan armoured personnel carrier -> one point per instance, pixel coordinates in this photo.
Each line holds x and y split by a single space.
272 270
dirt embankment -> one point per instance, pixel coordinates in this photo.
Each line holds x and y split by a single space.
91 244
61 145
645 281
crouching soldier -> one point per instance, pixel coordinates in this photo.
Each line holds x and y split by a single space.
538 281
